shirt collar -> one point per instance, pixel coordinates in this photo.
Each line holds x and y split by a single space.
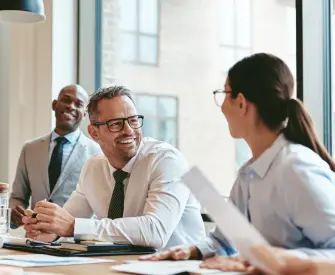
71 137
263 163
130 165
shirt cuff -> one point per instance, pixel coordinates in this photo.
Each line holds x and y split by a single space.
84 229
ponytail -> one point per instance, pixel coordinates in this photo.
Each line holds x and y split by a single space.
300 129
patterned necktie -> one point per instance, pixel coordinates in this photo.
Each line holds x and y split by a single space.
55 165
115 210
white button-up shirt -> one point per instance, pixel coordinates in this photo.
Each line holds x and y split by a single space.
159 210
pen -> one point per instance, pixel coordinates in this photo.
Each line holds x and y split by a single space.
35 214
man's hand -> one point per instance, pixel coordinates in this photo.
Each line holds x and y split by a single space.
180 252
50 218
17 215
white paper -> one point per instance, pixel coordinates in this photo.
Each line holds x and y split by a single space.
167 268
35 260
233 225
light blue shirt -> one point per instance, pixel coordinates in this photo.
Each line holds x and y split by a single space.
288 194
72 139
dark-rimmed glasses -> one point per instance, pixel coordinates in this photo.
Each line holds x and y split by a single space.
219 96
117 124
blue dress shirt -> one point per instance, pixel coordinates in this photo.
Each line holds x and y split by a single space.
288 194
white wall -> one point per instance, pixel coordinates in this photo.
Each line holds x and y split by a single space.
36 60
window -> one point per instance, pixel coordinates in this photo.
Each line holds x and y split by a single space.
198 42
291 39
139 31
235 43
235 31
160 117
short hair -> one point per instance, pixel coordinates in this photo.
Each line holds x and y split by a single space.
105 93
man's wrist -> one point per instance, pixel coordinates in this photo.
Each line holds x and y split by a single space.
72 227
70 232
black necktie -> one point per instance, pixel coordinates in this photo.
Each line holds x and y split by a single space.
55 165
115 210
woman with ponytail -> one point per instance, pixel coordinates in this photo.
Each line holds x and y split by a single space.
286 189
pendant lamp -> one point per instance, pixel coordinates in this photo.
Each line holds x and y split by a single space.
21 11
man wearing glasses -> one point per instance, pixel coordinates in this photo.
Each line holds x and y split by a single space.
134 188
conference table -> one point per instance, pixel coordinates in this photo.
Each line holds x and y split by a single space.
86 269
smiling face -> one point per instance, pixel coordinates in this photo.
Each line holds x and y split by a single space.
69 108
118 147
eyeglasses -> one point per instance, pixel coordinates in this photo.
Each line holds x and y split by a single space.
219 96
117 124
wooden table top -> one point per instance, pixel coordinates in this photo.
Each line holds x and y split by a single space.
87 269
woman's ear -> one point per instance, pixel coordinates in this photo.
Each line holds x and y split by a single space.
242 104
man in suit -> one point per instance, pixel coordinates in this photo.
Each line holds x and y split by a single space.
134 188
49 166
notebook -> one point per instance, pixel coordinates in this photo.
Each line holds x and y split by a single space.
90 246
56 249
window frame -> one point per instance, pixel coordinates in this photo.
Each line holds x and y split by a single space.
138 34
314 64
306 44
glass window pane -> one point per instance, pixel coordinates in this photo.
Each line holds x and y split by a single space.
149 16
167 131
192 63
291 30
146 105
148 50
149 128
292 63
227 58
241 53
226 15
128 15
243 23
167 106
128 47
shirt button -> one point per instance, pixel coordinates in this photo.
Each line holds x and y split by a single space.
251 174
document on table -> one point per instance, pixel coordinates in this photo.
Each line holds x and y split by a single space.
167 268
238 231
36 260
